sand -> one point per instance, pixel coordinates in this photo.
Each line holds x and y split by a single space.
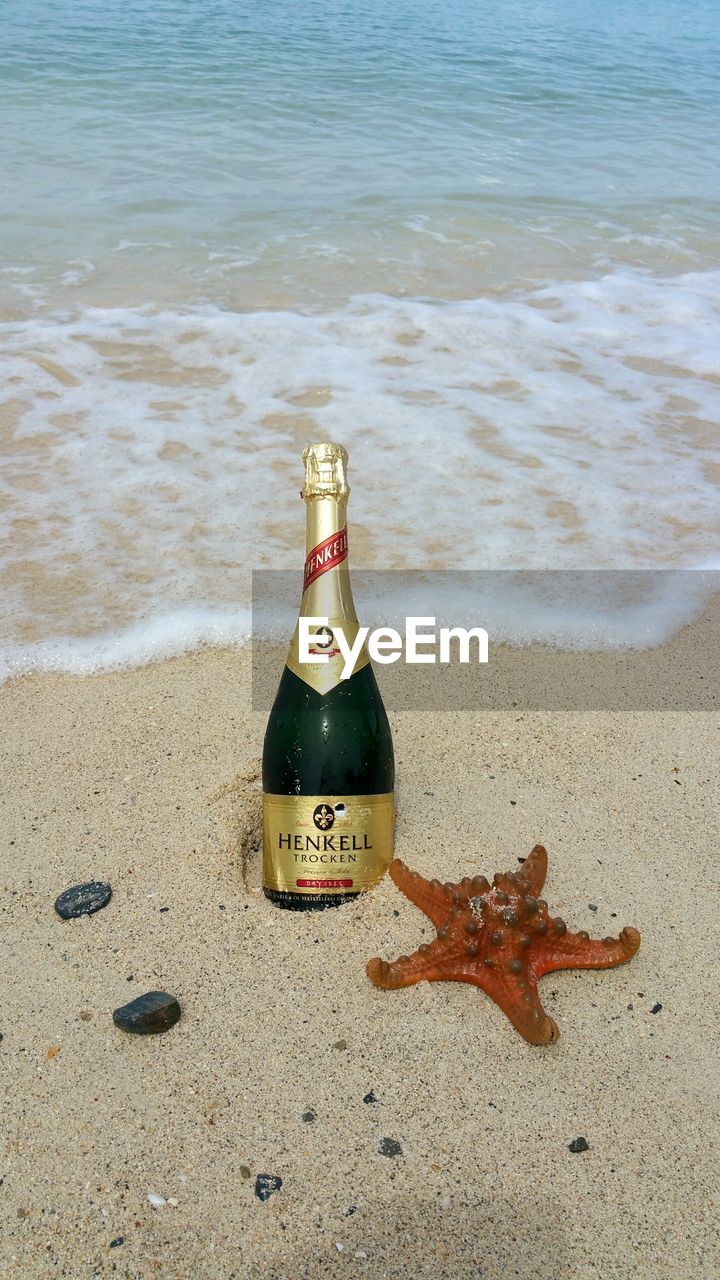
148 779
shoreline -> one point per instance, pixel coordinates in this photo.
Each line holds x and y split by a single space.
148 778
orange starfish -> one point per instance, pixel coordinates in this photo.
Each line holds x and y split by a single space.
501 938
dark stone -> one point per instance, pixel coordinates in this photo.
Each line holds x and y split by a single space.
149 1014
266 1184
578 1144
309 1116
656 1008
340 1044
395 912
163 909
370 1097
114 1244
592 906
83 899
389 1147
351 1211
244 1171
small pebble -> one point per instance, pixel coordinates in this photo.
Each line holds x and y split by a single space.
351 1211
370 1097
339 1246
578 1144
309 1116
395 911
162 909
340 1044
592 906
656 1008
244 1171
83 899
149 1014
389 1147
114 1244
157 1201
266 1184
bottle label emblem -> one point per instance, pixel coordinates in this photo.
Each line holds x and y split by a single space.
326 555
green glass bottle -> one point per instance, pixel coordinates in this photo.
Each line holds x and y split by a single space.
328 765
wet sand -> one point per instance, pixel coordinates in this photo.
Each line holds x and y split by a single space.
148 779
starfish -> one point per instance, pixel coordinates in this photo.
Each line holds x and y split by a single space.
500 938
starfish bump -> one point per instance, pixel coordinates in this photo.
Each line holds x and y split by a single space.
499 937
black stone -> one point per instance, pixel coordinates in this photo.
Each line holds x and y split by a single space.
389 1147
370 1097
592 906
83 899
149 1014
656 1008
266 1184
578 1144
117 1241
351 1211
309 1116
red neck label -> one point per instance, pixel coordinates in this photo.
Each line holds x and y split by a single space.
326 555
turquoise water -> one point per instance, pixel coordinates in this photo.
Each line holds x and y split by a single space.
282 151
484 237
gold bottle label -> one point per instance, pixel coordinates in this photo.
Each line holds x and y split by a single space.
320 845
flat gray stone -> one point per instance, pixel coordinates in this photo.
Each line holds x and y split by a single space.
83 899
148 1015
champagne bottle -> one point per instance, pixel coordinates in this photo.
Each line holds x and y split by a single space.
328 765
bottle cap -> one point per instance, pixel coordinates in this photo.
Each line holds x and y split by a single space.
325 471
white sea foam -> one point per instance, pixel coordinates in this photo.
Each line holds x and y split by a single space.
148 640
154 455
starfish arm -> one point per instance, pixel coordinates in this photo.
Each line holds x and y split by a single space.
430 896
523 1007
534 869
578 951
430 962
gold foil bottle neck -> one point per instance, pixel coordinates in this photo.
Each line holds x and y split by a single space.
325 471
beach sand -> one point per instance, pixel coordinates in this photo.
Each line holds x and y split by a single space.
148 778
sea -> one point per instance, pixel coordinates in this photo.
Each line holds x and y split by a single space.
476 241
